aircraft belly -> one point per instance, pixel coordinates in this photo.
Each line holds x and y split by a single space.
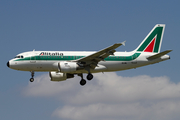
124 65
117 65
36 66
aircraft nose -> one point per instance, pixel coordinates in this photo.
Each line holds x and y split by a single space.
8 64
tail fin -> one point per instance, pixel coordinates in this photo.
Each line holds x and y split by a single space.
152 42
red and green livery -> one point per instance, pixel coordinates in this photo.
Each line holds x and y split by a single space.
152 42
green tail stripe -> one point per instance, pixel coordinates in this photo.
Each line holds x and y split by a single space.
157 31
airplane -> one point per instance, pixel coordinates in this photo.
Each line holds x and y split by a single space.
63 65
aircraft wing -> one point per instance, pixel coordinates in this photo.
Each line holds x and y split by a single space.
99 56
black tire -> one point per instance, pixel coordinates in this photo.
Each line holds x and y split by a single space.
82 82
89 76
31 80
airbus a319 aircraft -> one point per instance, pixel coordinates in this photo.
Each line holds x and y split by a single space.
63 65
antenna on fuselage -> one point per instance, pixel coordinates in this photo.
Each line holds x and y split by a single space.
33 50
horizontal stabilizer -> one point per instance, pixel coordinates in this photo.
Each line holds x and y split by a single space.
158 55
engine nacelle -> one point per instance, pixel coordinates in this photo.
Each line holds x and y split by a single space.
58 76
67 67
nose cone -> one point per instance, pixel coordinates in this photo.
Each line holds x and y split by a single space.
8 64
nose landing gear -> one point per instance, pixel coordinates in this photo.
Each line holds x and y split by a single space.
32 76
31 80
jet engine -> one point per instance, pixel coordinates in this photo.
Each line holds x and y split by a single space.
67 67
58 76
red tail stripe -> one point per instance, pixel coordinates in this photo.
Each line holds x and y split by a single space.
150 47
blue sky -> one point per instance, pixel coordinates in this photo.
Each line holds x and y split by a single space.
82 26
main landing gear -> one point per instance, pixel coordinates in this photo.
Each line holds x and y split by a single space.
89 76
32 76
83 81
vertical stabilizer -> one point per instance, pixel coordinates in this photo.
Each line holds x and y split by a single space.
152 42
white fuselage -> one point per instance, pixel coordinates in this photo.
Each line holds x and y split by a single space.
63 65
48 60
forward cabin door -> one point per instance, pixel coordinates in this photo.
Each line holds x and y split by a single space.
32 59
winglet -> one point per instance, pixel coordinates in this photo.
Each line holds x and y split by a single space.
158 55
123 43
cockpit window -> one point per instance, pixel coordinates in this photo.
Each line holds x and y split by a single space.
19 56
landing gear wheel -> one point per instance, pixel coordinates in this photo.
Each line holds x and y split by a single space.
32 76
89 76
82 82
31 80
